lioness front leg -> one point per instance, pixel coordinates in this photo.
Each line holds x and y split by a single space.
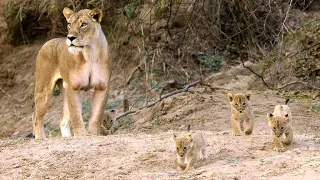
74 106
41 101
98 103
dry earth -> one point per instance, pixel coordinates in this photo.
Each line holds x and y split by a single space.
142 145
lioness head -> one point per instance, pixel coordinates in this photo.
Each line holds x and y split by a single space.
183 144
83 27
239 101
278 124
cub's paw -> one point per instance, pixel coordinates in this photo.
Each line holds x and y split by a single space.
237 133
187 169
203 156
278 149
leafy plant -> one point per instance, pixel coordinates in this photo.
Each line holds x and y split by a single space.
316 108
211 61
155 122
129 10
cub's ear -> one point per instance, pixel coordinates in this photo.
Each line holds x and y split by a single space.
174 136
286 117
67 12
269 116
96 15
230 96
248 95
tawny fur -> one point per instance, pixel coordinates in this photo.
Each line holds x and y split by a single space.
280 123
241 111
188 148
79 62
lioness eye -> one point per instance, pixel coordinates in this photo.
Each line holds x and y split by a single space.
185 148
236 104
274 128
282 128
83 25
244 104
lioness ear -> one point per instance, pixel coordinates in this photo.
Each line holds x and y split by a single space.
230 96
67 12
269 116
96 14
248 95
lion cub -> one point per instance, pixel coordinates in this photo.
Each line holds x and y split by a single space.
241 111
280 124
188 147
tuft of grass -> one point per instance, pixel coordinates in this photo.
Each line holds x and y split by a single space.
211 61
316 108
155 122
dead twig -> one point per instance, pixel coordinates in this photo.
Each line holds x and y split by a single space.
4 92
133 73
185 89
305 49
261 77
298 82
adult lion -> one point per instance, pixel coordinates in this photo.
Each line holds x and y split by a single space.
79 62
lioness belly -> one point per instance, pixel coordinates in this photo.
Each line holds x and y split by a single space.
90 76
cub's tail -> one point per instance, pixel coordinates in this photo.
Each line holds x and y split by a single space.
189 127
287 100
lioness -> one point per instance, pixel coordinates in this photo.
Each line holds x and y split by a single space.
280 124
241 111
188 147
78 62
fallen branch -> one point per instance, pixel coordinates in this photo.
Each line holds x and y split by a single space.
4 92
185 89
132 73
261 77
298 82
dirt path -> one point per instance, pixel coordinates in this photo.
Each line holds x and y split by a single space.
144 150
142 145
133 156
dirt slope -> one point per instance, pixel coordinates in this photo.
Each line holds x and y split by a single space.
148 153
142 145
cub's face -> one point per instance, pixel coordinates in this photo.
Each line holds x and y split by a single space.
239 102
183 144
82 27
278 125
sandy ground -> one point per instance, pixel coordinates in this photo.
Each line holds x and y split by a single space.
143 150
138 156
142 146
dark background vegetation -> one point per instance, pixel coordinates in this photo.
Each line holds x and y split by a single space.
187 39
159 46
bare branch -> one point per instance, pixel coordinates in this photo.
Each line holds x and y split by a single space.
298 82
